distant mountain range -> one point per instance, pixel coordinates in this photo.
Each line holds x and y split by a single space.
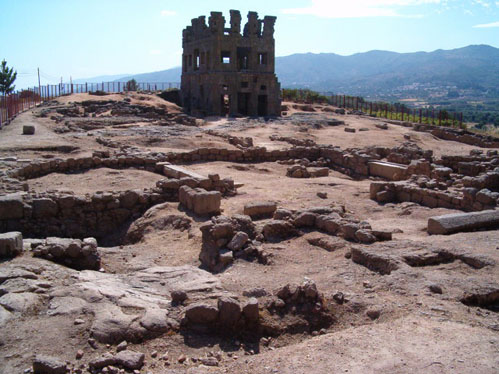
378 73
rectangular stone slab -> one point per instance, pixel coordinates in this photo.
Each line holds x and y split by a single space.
452 223
177 172
388 170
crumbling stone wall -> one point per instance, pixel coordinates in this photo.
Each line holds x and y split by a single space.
226 72
98 214
467 199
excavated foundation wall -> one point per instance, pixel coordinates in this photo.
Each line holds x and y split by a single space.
57 214
471 199
353 161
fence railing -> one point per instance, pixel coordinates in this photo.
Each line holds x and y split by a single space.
399 112
13 104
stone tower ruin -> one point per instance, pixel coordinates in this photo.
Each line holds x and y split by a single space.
226 72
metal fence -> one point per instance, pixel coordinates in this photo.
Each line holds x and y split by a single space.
398 111
13 104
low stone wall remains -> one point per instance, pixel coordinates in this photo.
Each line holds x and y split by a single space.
467 199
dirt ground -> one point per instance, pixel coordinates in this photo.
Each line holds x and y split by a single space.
417 331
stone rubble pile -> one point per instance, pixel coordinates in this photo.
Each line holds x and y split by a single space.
226 239
304 302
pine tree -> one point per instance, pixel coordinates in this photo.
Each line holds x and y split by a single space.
7 78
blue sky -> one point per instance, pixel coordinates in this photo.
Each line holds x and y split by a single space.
86 38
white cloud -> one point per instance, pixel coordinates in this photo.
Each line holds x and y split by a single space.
487 25
483 3
155 52
359 8
168 13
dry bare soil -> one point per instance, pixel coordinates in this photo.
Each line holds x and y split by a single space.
411 320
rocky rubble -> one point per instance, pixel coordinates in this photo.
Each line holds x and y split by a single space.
226 239
296 309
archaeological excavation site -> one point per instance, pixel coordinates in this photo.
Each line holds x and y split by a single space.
242 233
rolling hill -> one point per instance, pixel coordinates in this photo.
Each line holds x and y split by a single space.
379 73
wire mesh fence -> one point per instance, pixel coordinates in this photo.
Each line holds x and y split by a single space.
13 104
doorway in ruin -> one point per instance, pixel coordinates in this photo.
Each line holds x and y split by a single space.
243 99
262 105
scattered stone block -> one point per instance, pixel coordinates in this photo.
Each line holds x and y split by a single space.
276 230
48 365
387 170
238 241
177 172
305 219
377 262
201 313
365 236
200 201
130 359
382 235
349 129
316 172
327 242
260 209
11 206
457 222
11 244
28 130
250 310
229 312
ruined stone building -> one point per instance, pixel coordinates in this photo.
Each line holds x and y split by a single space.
226 72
